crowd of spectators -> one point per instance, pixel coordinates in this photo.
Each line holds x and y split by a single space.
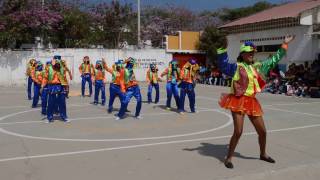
211 75
300 80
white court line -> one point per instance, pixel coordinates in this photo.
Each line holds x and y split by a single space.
128 139
146 145
10 107
73 105
84 118
291 104
295 112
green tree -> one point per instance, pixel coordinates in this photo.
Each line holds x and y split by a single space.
74 29
233 14
210 40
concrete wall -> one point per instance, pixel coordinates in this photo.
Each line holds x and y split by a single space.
13 63
303 48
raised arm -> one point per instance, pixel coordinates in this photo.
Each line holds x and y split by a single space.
165 72
105 66
271 62
225 67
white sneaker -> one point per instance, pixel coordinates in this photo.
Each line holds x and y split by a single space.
47 121
118 118
67 121
138 117
182 113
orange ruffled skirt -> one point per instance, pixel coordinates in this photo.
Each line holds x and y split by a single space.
242 104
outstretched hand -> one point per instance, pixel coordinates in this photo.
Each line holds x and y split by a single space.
288 39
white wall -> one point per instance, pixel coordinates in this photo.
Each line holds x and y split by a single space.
13 63
303 48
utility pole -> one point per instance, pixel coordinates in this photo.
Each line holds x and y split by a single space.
42 4
139 33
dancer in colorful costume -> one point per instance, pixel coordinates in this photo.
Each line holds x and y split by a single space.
66 82
86 71
187 85
30 67
54 78
132 90
173 74
99 83
37 76
152 80
117 85
248 79
44 92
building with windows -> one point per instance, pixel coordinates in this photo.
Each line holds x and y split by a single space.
184 47
267 30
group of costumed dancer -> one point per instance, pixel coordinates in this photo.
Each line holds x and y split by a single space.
248 79
51 84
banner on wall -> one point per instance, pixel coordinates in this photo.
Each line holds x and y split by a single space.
145 63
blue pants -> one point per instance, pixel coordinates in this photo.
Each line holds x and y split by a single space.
36 94
56 99
86 78
172 88
99 86
156 86
44 100
187 88
30 81
115 91
131 91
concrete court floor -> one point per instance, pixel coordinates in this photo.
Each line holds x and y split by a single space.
162 145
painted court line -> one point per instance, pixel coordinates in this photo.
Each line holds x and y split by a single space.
11 107
295 112
229 122
290 104
84 118
147 145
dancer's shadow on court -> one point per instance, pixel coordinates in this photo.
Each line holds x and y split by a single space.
218 151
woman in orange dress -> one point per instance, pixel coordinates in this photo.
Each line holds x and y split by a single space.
248 79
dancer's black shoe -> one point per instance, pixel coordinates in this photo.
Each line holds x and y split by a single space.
267 159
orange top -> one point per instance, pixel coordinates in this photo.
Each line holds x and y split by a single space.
99 75
169 75
37 76
186 75
86 68
117 77
131 81
153 76
57 78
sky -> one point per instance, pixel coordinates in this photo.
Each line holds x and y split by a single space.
198 5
